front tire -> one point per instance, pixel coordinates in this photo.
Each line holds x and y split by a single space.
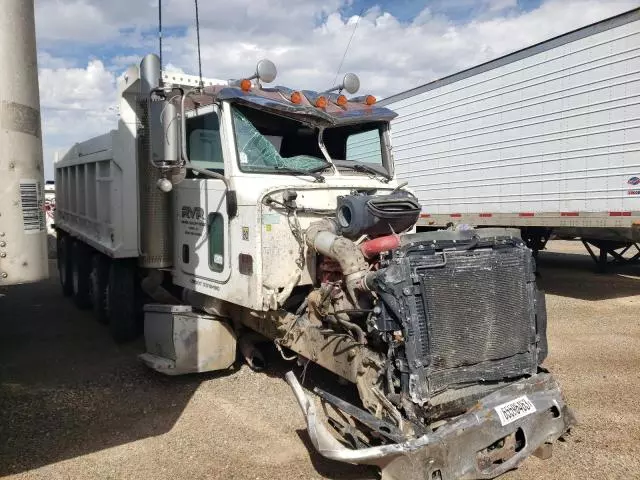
121 300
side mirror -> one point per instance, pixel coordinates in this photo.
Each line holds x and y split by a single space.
266 71
351 83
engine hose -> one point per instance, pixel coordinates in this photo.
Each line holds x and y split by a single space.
359 333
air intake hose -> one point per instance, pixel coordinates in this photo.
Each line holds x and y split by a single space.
322 237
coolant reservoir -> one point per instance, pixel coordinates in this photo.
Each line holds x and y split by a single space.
23 236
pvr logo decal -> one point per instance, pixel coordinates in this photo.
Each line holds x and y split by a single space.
196 213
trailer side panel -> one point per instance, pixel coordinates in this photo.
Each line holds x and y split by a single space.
550 132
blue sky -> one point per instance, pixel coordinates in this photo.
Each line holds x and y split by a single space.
85 45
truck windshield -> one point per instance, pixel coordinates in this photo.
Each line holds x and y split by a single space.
266 142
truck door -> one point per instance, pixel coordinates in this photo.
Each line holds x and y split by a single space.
202 236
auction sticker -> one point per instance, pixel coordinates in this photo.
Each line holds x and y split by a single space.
515 409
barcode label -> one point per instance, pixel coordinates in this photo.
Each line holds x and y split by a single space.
32 202
515 409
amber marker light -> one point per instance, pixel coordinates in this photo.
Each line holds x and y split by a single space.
370 100
341 100
296 97
245 85
321 102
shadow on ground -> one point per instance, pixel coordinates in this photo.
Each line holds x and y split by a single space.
336 470
67 390
558 277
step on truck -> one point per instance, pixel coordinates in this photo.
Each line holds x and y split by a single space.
224 213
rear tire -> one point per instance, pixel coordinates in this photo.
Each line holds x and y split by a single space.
63 249
80 274
99 286
121 300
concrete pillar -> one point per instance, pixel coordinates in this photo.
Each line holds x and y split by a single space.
23 245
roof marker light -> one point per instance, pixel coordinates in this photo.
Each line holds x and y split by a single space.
296 97
321 102
245 85
341 100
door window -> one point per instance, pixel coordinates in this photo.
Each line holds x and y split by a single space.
216 242
204 145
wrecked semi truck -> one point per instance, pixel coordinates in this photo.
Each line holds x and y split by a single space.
229 212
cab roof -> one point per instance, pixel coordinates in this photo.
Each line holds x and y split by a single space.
277 100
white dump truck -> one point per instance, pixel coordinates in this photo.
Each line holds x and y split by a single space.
225 213
544 139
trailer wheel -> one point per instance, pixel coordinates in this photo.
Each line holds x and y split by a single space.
99 285
63 249
121 300
80 274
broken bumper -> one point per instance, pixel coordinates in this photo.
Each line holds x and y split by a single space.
478 444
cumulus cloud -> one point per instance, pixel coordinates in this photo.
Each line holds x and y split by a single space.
76 104
306 39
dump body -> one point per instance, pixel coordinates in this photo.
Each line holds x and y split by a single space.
547 136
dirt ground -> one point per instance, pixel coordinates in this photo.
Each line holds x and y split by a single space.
74 405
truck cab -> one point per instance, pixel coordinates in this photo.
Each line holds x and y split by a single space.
249 258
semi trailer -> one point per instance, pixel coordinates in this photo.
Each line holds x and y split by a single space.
544 139
221 214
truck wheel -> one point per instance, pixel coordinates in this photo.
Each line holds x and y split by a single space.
121 300
99 285
80 273
64 263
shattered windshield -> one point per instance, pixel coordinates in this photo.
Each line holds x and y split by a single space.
266 142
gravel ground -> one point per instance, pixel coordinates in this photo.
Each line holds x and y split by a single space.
74 405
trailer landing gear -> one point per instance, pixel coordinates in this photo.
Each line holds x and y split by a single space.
535 238
611 248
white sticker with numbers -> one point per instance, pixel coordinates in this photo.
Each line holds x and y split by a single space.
515 409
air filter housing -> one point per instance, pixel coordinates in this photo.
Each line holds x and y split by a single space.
376 215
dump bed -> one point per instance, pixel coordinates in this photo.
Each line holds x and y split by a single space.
96 196
546 136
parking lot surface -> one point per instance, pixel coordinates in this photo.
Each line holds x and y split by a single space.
75 405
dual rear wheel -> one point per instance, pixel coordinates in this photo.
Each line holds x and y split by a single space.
108 286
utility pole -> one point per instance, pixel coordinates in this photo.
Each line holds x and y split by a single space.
23 236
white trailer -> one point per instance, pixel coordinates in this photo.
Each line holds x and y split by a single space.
546 139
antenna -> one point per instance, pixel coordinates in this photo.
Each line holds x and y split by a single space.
348 45
198 37
160 34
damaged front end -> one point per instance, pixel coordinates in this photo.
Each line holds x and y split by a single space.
443 333
480 443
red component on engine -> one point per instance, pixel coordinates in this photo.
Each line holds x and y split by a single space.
371 248
329 270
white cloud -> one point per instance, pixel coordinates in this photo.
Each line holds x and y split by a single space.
76 104
306 39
